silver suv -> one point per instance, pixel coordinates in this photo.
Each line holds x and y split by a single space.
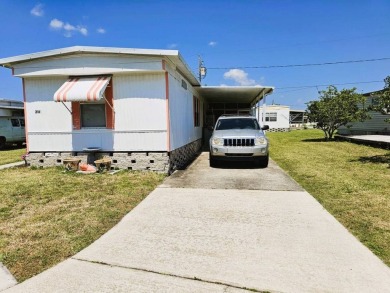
239 138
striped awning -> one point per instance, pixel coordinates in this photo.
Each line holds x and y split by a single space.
82 89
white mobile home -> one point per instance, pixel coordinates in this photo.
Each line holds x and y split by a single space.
277 117
143 108
375 125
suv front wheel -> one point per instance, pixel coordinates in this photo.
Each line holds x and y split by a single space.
262 162
212 161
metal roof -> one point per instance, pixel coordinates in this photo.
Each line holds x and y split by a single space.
172 55
234 94
227 94
11 104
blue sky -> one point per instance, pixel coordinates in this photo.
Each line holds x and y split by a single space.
227 34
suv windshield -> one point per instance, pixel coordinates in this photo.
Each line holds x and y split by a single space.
237 123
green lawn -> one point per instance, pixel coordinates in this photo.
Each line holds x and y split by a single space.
11 155
351 181
47 216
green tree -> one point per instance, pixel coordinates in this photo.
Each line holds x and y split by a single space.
336 108
382 99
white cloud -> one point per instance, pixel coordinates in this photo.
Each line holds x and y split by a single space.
101 30
68 29
239 76
212 44
172 46
82 30
56 24
37 10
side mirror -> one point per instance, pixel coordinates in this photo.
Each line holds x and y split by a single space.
211 128
265 127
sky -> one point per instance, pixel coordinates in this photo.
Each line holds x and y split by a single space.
242 42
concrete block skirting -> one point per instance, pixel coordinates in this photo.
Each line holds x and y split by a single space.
154 161
278 130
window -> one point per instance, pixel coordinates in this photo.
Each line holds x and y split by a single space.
271 116
183 84
196 111
15 122
93 115
22 122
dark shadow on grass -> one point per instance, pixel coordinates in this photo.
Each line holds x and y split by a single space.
318 140
380 159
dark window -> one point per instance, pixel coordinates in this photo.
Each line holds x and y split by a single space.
15 122
93 115
225 124
183 84
271 116
196 111
22 122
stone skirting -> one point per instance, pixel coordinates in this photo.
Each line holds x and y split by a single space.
278 130
163 162
180 157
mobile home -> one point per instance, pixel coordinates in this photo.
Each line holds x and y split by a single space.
375 125
143 108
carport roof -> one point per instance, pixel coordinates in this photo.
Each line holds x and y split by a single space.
234 94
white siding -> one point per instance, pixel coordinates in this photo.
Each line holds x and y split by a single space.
139 102
84 64
140 117
43 113
182 130
370 126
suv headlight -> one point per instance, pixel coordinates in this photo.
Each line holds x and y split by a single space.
260 141
217 141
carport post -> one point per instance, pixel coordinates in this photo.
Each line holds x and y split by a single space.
264 106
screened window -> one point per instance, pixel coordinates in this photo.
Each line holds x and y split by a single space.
271 116
93 115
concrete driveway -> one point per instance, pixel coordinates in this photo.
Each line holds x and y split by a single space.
221 230
231 175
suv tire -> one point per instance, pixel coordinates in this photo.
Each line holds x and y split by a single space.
2 143
263 162
212 161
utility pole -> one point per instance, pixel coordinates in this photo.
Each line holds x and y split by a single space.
202 70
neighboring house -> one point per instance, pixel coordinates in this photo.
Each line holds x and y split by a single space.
12 128
277 117
375 125
143 108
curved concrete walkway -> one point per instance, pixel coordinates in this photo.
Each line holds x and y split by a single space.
206 230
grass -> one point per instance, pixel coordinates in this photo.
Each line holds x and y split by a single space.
351 181
47 216
11 154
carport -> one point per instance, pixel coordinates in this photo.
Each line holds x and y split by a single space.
230 100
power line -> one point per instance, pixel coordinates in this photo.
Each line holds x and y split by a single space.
303 87
300 65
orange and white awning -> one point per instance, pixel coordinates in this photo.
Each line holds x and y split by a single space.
82 89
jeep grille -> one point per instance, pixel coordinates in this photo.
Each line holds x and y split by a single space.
239 142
